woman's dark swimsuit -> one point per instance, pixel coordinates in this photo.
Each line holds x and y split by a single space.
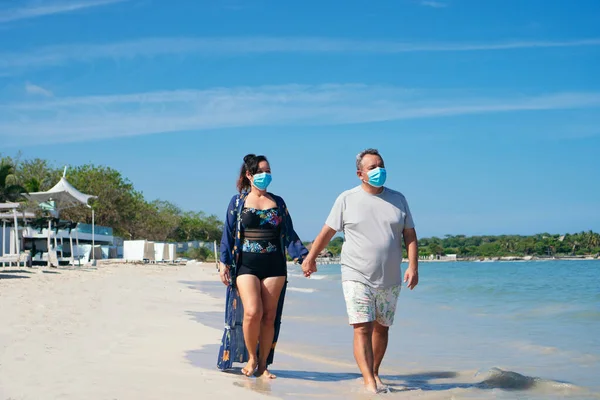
262 255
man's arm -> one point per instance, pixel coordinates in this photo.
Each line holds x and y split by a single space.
309 265
411 277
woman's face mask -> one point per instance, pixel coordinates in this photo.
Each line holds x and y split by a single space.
261 181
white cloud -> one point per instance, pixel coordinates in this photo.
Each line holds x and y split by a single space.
33 10
30 88
434 4
211 47
97 117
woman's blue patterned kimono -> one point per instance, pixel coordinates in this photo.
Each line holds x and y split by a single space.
233 348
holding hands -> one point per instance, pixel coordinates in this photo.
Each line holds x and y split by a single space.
309 266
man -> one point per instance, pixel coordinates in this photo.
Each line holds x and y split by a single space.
374 219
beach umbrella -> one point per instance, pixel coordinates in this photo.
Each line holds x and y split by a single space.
60 197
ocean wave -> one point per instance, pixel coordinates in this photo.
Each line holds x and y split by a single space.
301 290
317 277
320 277
584 315
510 380
539 349
562 312
584 359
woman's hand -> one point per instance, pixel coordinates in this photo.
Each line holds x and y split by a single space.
224 273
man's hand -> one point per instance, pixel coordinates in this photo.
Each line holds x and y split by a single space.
309 266
224 273
411 277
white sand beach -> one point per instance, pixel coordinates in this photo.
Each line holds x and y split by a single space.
125 331
111 332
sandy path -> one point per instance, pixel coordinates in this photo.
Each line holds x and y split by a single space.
115 332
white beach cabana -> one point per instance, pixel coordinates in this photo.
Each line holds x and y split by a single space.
140 250
63 195
6 208
133 250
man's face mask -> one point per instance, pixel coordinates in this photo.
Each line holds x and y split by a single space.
377 177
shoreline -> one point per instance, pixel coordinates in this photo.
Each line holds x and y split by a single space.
336 261
511 258
152 331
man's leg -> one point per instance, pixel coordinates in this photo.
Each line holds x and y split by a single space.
363 353
380 341
386 301
360 305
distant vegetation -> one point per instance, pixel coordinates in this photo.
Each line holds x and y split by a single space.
544 244
122 207
119 204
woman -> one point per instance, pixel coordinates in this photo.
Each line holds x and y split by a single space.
257 232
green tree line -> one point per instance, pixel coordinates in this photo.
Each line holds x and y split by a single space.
543 244
122 207
119 205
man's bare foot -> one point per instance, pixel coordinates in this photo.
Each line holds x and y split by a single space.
264 373
380 384
250 368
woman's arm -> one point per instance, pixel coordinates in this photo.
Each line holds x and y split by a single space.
294 245
228 240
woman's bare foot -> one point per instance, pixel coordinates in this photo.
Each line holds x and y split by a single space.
264 373
250 368
371 387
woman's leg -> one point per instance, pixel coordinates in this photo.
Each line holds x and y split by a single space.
271 291
250 287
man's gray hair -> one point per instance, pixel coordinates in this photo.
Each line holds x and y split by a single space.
359 156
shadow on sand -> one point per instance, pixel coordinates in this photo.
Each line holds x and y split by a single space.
15 273
494 378
11 276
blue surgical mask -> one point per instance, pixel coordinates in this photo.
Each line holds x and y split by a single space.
262 180
377 177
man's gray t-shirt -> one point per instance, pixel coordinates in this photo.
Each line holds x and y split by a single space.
372 226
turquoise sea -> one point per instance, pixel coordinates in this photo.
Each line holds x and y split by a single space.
497 330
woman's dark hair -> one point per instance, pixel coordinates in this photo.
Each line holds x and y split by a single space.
250 164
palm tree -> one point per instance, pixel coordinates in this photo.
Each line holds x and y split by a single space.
508 244
591 239
9 192
594 239
32 185
575 246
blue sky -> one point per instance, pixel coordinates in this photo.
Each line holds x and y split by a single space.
487 112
